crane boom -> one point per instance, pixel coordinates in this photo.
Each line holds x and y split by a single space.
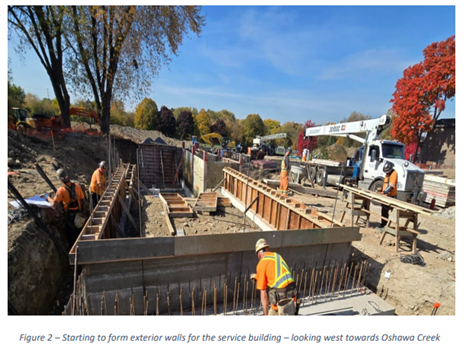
271 137
372 127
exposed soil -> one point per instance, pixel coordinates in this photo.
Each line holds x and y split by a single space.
39 275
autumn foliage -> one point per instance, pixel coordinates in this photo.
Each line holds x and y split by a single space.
422 92
310 144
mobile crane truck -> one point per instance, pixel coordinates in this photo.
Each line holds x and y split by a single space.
263 142
365 170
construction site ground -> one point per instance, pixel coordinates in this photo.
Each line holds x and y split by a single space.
411 288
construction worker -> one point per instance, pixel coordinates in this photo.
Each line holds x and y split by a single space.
389 188
72 196
97 186
284 173
274 280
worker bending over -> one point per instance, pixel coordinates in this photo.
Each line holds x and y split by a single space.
284 173
274 280
72 196
97 186
389 188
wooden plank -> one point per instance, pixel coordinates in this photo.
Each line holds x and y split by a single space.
168 221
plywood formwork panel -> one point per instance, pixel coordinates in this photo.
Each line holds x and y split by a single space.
275 209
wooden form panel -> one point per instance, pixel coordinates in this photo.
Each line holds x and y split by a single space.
207 201
158 165
177 206
278 211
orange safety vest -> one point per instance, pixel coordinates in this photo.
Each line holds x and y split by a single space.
391 180
282 273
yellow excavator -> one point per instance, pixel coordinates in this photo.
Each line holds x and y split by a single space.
214 139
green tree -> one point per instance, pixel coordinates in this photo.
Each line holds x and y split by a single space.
292 129
178 111
271 126
118 115
227 115
41 28
253 126
213 115
16 96
122 48
146 115
36 106
202 123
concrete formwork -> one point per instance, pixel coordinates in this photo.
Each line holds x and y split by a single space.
173 267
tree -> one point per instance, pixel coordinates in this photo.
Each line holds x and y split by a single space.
220 128
253 126
36 106
271 126
202 123
178 111
119 116
41 28
122 48
166 122
422 92
309 143
185 124
235 130
227 115
292 129
146 115
16 96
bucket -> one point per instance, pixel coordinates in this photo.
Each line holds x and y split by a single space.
286 307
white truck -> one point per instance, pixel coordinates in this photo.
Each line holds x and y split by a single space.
263 142
367 165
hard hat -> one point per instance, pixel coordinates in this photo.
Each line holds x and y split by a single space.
388 167
62 174
289 149
261 245
103 164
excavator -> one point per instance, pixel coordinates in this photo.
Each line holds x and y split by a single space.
21 121
213 139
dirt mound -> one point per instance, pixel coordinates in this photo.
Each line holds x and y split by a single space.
337 153
139 136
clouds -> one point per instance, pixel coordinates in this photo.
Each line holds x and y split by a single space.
374 61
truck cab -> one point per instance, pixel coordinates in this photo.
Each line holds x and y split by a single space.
410 177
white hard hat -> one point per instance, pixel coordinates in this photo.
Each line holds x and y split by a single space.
261 245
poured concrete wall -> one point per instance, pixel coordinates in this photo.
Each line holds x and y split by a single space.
170 266
200 175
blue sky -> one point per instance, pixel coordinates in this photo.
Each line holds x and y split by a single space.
288 63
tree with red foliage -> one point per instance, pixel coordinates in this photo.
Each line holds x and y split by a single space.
310 142
421 93
410 149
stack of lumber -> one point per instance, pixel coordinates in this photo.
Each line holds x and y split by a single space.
264 164
442 189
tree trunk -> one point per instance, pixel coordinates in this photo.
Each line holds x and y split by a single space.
105 119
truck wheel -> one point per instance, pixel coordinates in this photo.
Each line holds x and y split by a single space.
293 177
312 173
271 152
320 177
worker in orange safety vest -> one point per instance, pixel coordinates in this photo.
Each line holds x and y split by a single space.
285 172
97 186
274 280
389 188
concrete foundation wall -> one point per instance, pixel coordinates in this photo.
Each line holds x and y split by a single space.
175 266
